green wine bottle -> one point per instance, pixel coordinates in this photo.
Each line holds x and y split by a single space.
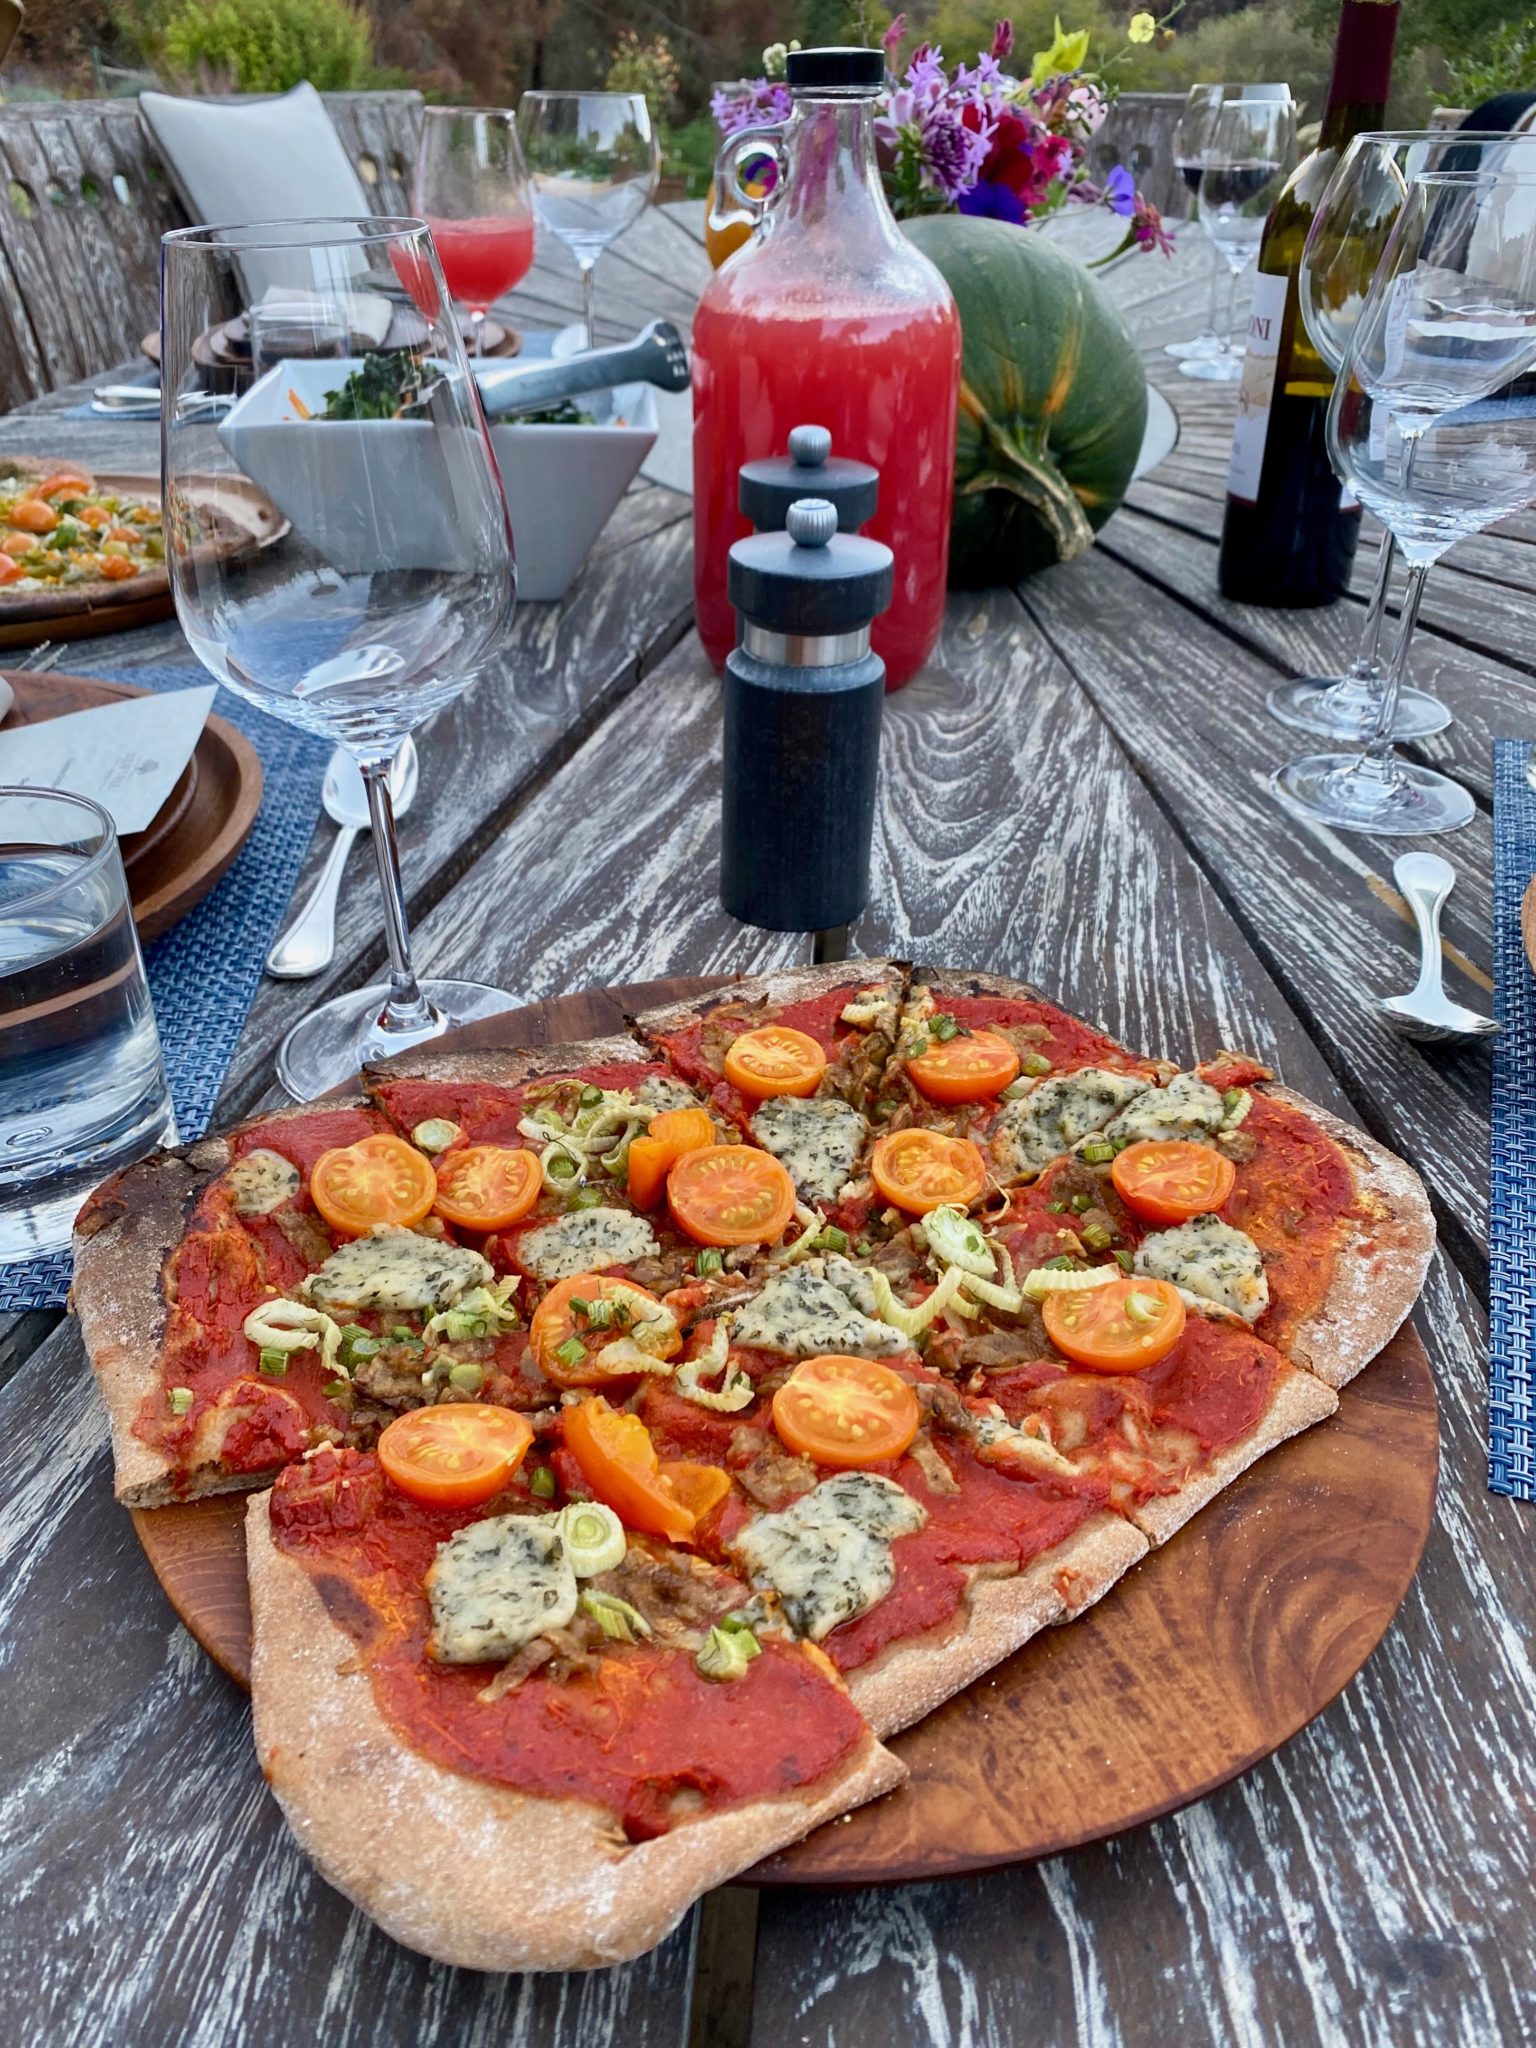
1289 534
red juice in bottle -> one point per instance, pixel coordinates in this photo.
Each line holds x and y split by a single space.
830 317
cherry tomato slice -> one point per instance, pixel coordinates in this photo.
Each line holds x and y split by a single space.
918 1170
378 1180
1123 1326
967 1068
117 568
557 1333
486 1187
774 1060
652 1156
731 1194
619 1463
699 1488
1168 1180
846 1411
64 483
33 516
10 570
457 1455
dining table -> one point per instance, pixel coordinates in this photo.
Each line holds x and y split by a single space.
1073 792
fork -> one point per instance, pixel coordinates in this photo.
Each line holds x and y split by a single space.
44 655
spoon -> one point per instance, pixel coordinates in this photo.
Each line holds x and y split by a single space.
1427 1012
309 943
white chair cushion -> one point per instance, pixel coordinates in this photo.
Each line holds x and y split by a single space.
272 159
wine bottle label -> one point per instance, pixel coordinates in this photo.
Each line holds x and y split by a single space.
1257 388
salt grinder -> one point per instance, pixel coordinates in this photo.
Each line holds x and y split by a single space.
767 489
803 698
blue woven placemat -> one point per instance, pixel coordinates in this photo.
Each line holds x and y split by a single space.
204 971
1512 1203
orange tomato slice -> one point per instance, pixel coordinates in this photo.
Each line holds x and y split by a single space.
1123 1326
10 570
565 1343
117 568
652 1156
775 1060
698 1487
619 1463
33 516
846 1411
731 1194
919 1170
969 1067
486 1187
378 1180
457 1455
70 481
1168 1180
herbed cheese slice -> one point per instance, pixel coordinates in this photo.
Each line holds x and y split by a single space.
1187 1108
1058 1114
495 1585
803 1312
660 1091
397 1269
262 1181
586 1242
828 1556
818 1138
1212 1259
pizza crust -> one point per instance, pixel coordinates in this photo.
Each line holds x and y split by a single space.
475 1874
1299 1401
509 1069
785 985
909 1679
1379 1269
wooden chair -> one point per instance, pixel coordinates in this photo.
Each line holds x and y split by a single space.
10 20
1138 132
84 201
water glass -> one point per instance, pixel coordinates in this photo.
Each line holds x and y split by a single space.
82 1083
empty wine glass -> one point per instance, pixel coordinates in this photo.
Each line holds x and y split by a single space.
471 189
1250 152
1427 426
594 163
391 580
1191 139
1349 232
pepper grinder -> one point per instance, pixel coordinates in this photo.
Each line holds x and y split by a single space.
803 697
766 489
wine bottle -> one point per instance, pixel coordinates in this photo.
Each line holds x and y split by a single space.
1290 530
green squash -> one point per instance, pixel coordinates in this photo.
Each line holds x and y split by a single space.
1053 399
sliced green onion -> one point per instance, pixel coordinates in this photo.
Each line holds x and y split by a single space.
180 1399
590 1098
272 1362
336 1390
436 1134
1127 1260
1034 1063
726 1653
1016 1090
944 1028
1057 1208
402 1334
466 1376
709 1261
1096 1237
735 1623
863 1248
351 1332
459 1325
1080 1204
1062 1263
541 1482
916 1048
586 1198
593 1537
1099 1152
887 1106
1143 1308
571 1352
579 1305
603 1314
620 1622
364 1346
831 1239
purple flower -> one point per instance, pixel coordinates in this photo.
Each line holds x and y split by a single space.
989 200
1120 192
752 105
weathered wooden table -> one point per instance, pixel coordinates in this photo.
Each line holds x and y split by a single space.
1073 792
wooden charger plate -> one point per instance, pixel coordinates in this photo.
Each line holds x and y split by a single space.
194 836
247 518
1202 1661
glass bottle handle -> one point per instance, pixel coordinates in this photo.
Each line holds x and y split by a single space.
767 139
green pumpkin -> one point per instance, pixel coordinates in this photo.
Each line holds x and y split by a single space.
1053 399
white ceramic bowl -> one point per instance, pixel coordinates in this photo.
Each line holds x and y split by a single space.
369 507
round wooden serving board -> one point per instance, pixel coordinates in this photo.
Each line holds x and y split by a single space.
1203 1660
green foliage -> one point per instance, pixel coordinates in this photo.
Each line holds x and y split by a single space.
269 45
648 68
688 153
1504 62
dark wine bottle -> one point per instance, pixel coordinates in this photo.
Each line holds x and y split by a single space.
1290 530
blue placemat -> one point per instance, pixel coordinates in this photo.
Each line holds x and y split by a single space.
204 971
1511 1423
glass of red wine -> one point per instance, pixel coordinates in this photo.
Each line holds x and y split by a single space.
471 189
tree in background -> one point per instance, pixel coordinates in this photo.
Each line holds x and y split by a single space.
647 68
267 45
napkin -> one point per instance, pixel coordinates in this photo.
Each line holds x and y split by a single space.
128 757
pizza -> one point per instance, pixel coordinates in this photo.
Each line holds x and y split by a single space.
60 532
640 1432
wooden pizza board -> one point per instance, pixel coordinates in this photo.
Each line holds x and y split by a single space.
1202 1661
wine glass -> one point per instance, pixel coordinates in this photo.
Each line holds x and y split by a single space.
594 163
1350 230
1247 159
392 579
471 189
1191 138
1425 426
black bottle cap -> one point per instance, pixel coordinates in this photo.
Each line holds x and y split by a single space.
810 470
810 579
835 70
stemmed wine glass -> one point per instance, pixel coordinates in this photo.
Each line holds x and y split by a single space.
1249 155
1191 139
594 163
1426 427
471 189
393 579
1350 230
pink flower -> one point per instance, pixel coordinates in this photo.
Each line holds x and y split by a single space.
1002 39
890 42
1086 107
1147 227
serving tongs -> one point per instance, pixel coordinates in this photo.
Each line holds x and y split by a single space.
657 355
